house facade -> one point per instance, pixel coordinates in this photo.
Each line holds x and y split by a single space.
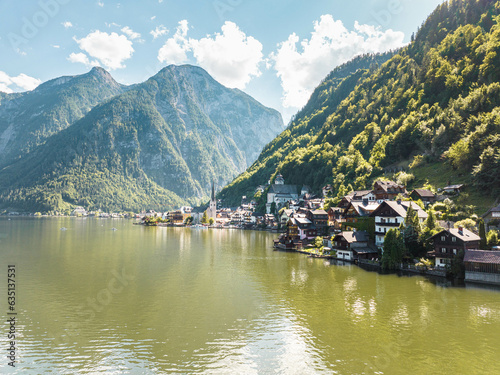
387 190
449 242
319 218
351 246
279 193
391 214
482 266
493 215
426 196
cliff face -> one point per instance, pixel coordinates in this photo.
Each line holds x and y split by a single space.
170 136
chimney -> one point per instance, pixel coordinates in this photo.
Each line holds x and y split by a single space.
365 201
461 230
399 201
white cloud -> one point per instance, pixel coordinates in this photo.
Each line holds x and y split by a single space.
174 50
100 3
152 18
67 24
231 57
56 46
22 82
111 50
131 33
159 31
79 58
331 44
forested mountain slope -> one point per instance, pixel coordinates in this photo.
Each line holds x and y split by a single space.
433 104
158 145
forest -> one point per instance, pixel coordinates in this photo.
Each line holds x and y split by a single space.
430 109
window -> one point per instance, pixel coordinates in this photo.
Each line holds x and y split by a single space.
454 239
443 250
455 251
443 238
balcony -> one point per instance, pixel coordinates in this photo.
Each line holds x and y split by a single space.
386 224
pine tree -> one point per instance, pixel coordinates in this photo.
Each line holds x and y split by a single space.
482 234
394 249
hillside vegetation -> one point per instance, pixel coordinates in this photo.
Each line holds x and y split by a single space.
434 103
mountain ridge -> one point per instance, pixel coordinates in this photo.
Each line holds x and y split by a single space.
172 135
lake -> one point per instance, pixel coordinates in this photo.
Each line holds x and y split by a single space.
141 300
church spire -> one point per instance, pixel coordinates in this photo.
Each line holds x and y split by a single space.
213 192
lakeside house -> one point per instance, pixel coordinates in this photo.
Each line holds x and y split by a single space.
391 214
482 266
319 218
449 242
353 246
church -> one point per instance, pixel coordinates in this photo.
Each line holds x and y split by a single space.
212 208
280 193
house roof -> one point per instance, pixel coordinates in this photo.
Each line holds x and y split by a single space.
494 209
284 189
319 212
365 250
288 212
466 235
350 236
303 221
400 207
363 209
386 185
482 256
424 193
358 195
453 187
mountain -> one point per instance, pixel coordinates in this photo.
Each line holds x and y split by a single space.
28 119
157 145
431 109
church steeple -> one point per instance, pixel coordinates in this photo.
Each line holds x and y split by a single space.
212 208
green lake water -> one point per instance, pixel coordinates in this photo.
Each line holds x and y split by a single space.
137 300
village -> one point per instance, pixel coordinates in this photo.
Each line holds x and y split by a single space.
356 228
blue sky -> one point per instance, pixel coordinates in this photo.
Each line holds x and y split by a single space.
275 50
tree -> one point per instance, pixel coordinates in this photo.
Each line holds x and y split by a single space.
189 220
394 249
430 222
318 242
273 208
204 219
482 234
411 233
466 223
492 238
211 221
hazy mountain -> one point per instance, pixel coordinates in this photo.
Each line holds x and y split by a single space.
28 119
156 145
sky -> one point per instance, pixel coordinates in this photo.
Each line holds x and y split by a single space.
277 51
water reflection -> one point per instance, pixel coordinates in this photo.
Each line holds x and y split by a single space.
174 300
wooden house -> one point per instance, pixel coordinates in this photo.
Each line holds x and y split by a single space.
482 266
449 242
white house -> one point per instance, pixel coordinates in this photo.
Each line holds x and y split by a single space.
390 214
